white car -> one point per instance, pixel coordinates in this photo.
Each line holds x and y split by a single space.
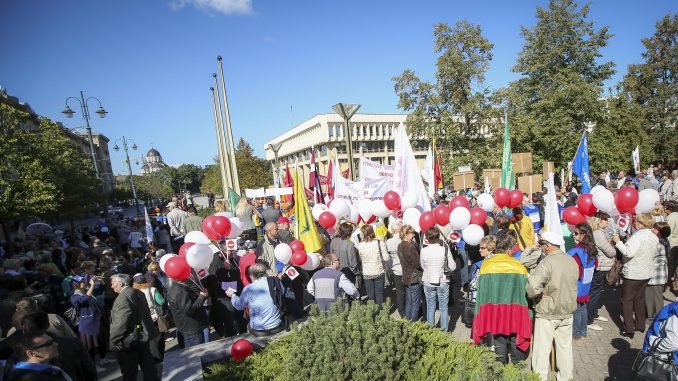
118 209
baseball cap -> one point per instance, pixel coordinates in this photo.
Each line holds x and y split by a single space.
139 278
249 245
552 238
78 279
283 220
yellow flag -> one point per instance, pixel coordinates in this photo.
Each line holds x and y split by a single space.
304 227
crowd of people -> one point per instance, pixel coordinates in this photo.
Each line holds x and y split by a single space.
101 292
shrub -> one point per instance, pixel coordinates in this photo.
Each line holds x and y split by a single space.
204 212
365 343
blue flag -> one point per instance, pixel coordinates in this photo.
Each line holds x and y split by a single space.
580 165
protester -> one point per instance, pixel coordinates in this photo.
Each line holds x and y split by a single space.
329 284
672 220
284 230
638 256
523 227
175 220
410 262
270 212
662 335
584 253
501 310
434 259
186 304
35 352
606 258
654 292
131 331
266 247
245 211
396 269
553 285
247 260
343 247
192 222
265 316
373 254
89 314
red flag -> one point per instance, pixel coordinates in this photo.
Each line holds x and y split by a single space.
287 183
438 173
330 185
345 173
314 181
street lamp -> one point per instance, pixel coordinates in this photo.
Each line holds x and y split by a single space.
124 142
85 114
346 111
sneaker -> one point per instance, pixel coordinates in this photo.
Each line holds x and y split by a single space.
106 361
100 369
601 318
594 327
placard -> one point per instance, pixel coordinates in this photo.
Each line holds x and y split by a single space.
463 180
548 167
522 162
231 244
530 184
292 273
493 176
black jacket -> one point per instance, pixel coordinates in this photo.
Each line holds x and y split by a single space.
129 310
186 307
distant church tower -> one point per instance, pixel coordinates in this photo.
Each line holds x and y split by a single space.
152 162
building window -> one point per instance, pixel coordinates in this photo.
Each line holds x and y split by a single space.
330 131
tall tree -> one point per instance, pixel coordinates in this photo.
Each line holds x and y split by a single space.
653 85
558 95
455 108
253 171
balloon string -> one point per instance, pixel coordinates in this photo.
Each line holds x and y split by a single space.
198 283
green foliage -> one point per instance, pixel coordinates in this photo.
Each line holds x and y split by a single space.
365 343
253 171
204 212
559 92
454 109
212 180
653 85
42 173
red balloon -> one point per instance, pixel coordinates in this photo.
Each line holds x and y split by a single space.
206 225
478 216
184 248
572 216
442 215
458 201
392 200
372 219
327 220
177 268
626 199
221 226
299 258
241 349
297 245
426 221
516 198
502 197
585 205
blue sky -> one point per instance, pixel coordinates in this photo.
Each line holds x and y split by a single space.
151 62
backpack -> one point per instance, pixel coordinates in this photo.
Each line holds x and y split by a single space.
277 291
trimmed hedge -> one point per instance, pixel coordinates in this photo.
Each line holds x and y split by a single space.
365 343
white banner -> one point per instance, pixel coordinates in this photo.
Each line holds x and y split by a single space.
407 174
350 191
261 192
376 179
252 193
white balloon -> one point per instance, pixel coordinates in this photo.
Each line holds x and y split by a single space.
236 227
408 200
647 200
460 218
224 214
411 217
353 214
365 209
318 209
604 200
283 253
197 236
379 209
312 262
472 234
164 260
597 188
199 256
486 202
339 208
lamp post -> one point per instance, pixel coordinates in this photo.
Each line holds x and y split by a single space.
124 142
85 114
346 111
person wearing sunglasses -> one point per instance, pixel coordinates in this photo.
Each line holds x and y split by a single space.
35 352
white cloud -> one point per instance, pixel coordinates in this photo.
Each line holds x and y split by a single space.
222 6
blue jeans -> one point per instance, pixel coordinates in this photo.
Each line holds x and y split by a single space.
412 301
375 289
464 268
597 286
579 321
194 339
441 294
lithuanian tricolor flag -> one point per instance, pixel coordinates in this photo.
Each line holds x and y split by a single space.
501 303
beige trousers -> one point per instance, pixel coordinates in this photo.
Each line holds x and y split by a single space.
545 332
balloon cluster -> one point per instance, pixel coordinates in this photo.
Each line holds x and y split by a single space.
295 253
626 200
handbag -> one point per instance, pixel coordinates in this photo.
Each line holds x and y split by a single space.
72 316
446 267
468 313
651 366
416 272
614 275
388 274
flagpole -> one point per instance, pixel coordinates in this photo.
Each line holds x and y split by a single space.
229 131
221 144
575 153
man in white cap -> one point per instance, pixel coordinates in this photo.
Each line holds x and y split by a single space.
553 285
175 220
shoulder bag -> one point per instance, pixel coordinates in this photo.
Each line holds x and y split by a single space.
446 267
651 366
614 275
387 274
520 238
134 339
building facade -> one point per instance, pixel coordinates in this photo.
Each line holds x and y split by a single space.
373 138
152 162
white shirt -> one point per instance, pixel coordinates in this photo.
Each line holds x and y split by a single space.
432 260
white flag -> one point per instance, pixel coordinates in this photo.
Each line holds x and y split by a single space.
551 215
427 172
149 227
407 177
635 157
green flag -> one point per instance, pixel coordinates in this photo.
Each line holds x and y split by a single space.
233 200
507 180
